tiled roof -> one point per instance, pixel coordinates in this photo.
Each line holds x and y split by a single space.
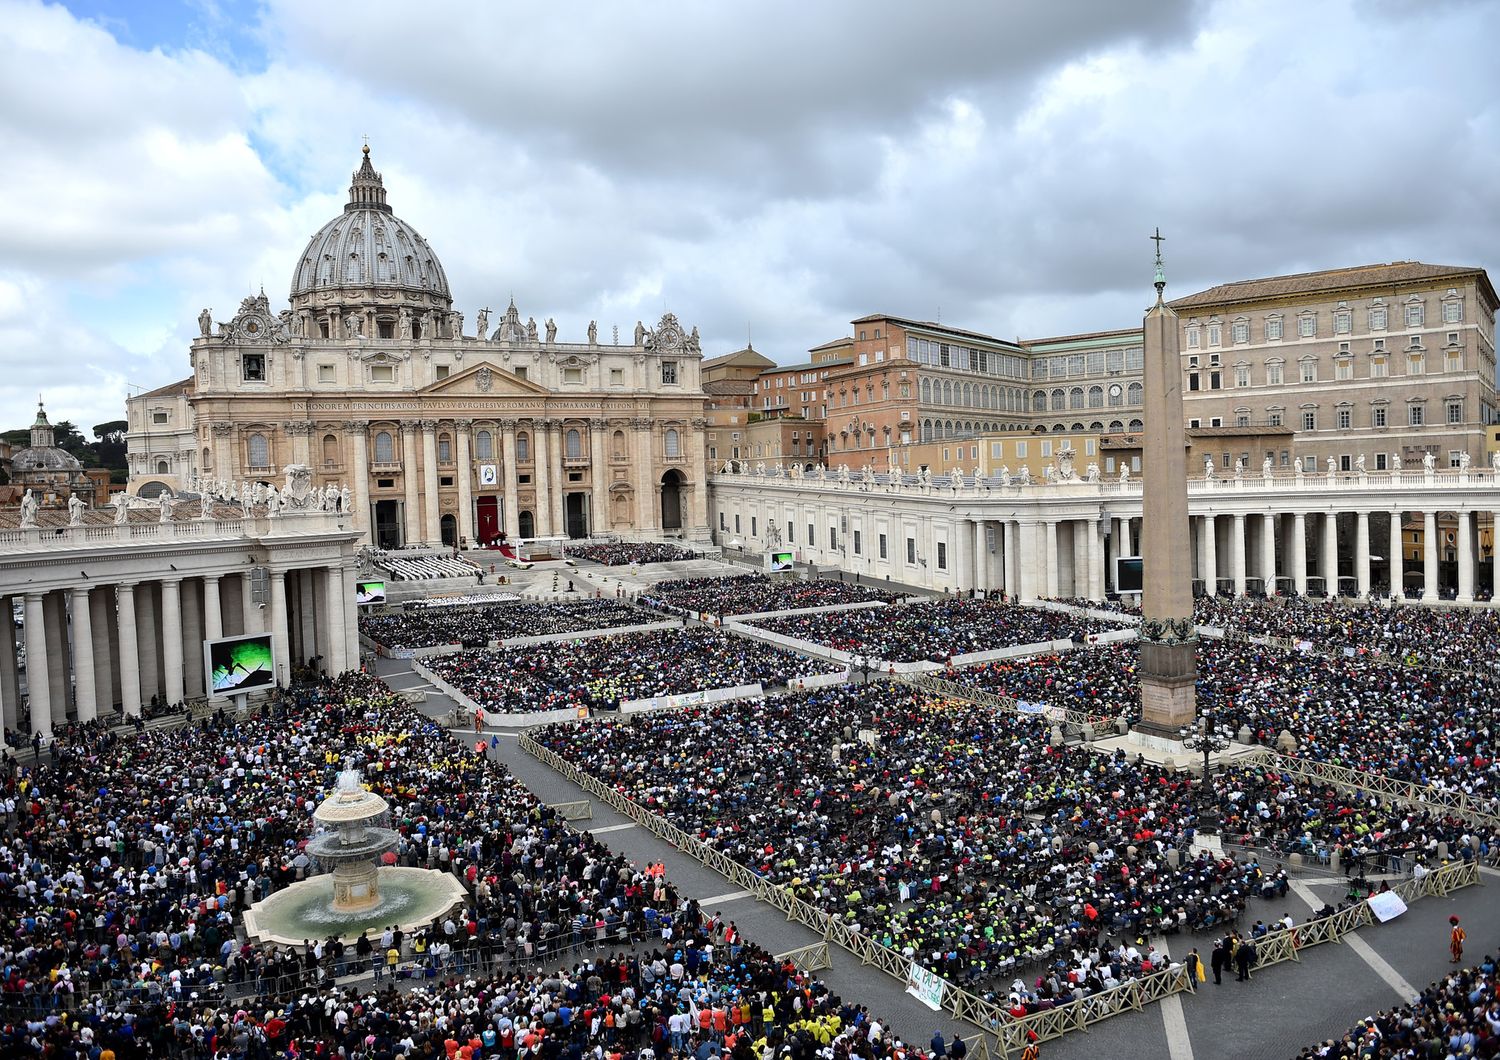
1311 283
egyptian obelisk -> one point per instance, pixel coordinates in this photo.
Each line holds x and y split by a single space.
1169 645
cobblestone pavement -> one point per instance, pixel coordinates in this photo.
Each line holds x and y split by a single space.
1271 1017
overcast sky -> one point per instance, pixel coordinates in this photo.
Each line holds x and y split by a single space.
776 168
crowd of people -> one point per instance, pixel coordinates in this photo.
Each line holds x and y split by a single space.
475 625
128 861
1457 1016
1452 638
623 553
934 631
600 672
1404 722
748 594
961 837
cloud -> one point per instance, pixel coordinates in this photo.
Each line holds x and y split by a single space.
780 167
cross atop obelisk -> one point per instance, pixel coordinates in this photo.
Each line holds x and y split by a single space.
1168 640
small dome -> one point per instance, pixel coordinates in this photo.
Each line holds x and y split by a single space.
369 246
48 459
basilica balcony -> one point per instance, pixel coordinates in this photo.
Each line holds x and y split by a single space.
385 467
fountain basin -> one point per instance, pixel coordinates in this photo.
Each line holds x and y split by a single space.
409 899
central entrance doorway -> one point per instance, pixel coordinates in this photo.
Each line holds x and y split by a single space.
575 514
387 524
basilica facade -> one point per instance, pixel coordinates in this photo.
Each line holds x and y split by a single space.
440 437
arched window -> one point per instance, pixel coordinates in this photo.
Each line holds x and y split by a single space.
385 448
573 445
1096 426
617 445
926 430
1096 397
163 468
259 451
1059 400
673 445
208 459
927 391
1039 401
1137 425
484 445
1075 398
1115 426
1136 392
445 449
330 451
523 448
968 398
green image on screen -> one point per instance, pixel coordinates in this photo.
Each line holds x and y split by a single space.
239 666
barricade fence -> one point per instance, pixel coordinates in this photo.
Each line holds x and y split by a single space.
1012 1034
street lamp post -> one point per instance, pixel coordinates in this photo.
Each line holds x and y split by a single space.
1209 737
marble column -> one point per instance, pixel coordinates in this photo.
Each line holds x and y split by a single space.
1237 549
85 687
412 528
541 457
1465 535
279 627
306 616
1013 560
148 638
1362 554
250 611
511 517
555 441
1397 556
464 476
10 674
977 554
346 574
1495 555
1429 556
106 673
1096 559
54 608
171 639
213 612
1052 559
432 533
337 637
1299 553
358 433
599 478
1028 561
130 654
38 677
1209 528
192 641
1329 561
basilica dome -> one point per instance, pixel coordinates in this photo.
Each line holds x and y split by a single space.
367 247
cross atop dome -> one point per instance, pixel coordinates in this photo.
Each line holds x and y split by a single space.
41 431
367 192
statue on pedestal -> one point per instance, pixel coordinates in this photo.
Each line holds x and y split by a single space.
122 508
164 503
551 331
1092 475
956 479
482 322
593 333
75 510
1429 462
205 323
1359 463
29 508
531 329
1005 474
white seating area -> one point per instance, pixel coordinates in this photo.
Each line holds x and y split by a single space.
425 568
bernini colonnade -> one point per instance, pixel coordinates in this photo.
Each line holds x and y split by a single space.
1296 532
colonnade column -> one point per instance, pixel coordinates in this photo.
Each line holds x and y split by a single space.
147 642
1052 559
1329 561
1096 559
249 622
977 554
1299 553
541 456
511 520
84 691
1397 560
646 483
10 678
130 659
345 570
101 621
38 681
1268 553
171 639
54 607
412 532
1013 559
1237 546
1429 555
1028 563
1362 554
1208 528
192 643
278 625
358 432
1466 557
1495 554
334 661
465 476
598 481
213 613
432 532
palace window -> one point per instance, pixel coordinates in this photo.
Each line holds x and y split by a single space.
1307 325
484 445
669 372
573 445
1415 314
1273 328
258 449
445 449
385 448
1377 416
673 446
523 447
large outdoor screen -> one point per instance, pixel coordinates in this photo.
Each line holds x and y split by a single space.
1129 574
369 593
780 561
237 665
